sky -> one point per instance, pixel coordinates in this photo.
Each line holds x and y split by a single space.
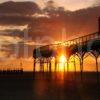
68 4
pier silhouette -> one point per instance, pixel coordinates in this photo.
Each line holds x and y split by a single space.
71 48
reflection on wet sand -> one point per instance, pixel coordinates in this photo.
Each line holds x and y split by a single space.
49 86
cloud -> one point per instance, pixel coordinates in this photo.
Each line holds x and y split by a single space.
44 29
21 8
15 20
17 12
12 27
96 3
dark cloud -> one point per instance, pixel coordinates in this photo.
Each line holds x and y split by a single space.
15 20
23 8
76 23
80 22
17 13
20 50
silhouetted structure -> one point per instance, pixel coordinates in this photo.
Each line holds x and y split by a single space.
75 47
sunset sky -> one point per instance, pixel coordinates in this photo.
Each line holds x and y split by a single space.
68 4
43 27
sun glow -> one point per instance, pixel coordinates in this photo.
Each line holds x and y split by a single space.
62 64
63 59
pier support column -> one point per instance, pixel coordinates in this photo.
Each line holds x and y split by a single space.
47 65
96 55
34 65
67 66
41 65
50 65
55 64
97 70
81 69
75 67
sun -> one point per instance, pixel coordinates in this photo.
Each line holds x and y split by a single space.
62 59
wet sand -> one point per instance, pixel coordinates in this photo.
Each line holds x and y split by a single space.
49 86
